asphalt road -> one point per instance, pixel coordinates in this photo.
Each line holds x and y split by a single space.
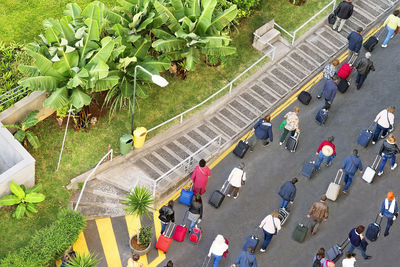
269 167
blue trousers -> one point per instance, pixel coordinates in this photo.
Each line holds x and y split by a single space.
348 179
389 34
360 80
385 158
378 131
388 225
192 224
163 226
352 247
217 259
321 158
284 203
267 239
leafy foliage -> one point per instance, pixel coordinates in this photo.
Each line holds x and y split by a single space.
245 7
23 134
83 260
145 236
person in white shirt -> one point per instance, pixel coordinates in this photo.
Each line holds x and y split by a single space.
236 179
384 122
217 249
271 226
349 260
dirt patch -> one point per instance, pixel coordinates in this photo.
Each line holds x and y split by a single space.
297 2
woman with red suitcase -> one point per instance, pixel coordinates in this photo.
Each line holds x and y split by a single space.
195 212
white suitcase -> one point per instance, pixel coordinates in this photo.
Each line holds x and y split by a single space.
334 187
370 171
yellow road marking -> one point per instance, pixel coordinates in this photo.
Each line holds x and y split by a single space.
108 242
80 245
131 223
157 228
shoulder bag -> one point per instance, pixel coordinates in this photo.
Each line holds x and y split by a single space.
247 257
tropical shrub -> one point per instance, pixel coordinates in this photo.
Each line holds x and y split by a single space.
83 260
48 244
145 236
23 135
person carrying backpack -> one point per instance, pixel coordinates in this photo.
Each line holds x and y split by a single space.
319 259
326 151
262 131
246 259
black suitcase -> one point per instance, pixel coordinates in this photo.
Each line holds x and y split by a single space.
334 253
332 18
242 147
308 168
218 196
374 229
343 85
321 116
291 143
370 44
304 97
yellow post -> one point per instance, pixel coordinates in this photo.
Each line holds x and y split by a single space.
139 136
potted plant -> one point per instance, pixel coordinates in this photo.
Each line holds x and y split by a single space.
139 203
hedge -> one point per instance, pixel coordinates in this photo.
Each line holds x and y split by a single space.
48 244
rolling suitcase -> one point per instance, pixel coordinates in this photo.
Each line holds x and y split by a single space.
345 70
370 171
300 233
304 97
322 116
218 196
374 229
180 230
372 41
283 215
251 242
242 147
308 168
195 235
334 253
334 187
365 136
186 196
165 240
291 143
343 85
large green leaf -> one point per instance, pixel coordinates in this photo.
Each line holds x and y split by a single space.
114 17
32 139
79 98
52 30
107 46
31 119
204 20
66 31
95 10
169 45
31 207
179 11
93 34
142 47
9 200
161 34
34 197
219 51
155 65
73 10
172 22
99 70
126 5
149 19
30 71
193 10
17 190
141 91
36 188
223 20
40 83
44 64
126 88
192 58
20 136
58 99
20 211
106 83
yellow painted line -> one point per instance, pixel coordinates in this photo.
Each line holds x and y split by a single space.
80 245
108 242
131 223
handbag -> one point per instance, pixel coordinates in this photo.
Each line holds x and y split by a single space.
282 125
387 116
351 157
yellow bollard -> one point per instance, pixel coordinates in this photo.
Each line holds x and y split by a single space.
139 136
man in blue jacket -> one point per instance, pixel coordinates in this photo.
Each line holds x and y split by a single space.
288 192
349 167
262 131
329 91
355 40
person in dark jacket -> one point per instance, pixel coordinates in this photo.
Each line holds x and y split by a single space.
363 68
388 150
390 210
167 215
355 40
356 238
195 212
246 259
350 165
329 91
288 192
262 131
343 12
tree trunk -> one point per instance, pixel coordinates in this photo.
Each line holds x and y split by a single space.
137 230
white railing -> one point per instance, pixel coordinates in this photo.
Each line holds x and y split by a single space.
271 54
109 153
12 94
293 35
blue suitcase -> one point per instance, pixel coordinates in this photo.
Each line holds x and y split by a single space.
308 168
374 229
186 197
365 136
252 241
321 116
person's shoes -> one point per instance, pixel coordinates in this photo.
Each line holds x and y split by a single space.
384 136
345 192
318 97
380 173
262 250
394 166
280 143
368 257
384 46
228 195
266 144
385 234
391 36
329 164
235 197
313 233
373 143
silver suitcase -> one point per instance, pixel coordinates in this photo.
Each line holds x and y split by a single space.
283 215
370 171
334 187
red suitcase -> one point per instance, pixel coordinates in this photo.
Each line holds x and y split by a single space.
165 240
180 233
345 71
195 235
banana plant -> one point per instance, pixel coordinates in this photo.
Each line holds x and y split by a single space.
23 135
25 199
193 29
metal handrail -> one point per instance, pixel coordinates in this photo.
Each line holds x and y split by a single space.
90 175
11 94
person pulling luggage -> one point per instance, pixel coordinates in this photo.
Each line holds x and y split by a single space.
357 239
328 73
246 259
388 150
262 131
236 179
217 249
200 177
319 211
270 226
384 123
350 165
288 192
363 68
355 41
326 151
195 212
319 259
329 91
390 210
167 215
291 125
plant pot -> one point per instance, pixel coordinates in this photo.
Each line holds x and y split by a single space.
136 248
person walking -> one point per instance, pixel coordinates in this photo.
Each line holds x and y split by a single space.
350 165
262 131
217 249
167 215
270 226
391 24
133 261
355 40
319 212
390 210
343 12
292 124
236 179
169 264
319 259
349 261
328 73
288 192
356 238
363 68
388 150
195 212
329 91
326 151
246 259
384 123
200 177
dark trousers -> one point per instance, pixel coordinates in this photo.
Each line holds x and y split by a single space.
388 225
360 80
267 239
233 189
315 225
284 134
327 105
377 132
348 179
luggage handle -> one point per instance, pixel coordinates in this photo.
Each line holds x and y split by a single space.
344 244
184 217
246 138
224 187
340 177
370 126
254 233
376 162
376 219
205 262
169 230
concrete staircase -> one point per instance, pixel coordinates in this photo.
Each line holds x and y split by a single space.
229 118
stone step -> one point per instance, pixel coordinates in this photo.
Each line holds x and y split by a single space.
263 93
254 101
293 69
384 4
376 4
190 146
274 85
373 11
168 156
96 211
223 127
198 137
209 132
102 188
89 198
181 153
362 17
331 38
243 109
313 53
270 36
335 34
147 169
283 77
230 115
322 45
307 63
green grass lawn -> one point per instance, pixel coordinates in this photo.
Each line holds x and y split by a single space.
83 150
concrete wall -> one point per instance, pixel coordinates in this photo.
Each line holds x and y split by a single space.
16 164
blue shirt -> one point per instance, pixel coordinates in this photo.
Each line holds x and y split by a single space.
329 91
288 191
355 41
386 212
242 261
263 130
349 167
